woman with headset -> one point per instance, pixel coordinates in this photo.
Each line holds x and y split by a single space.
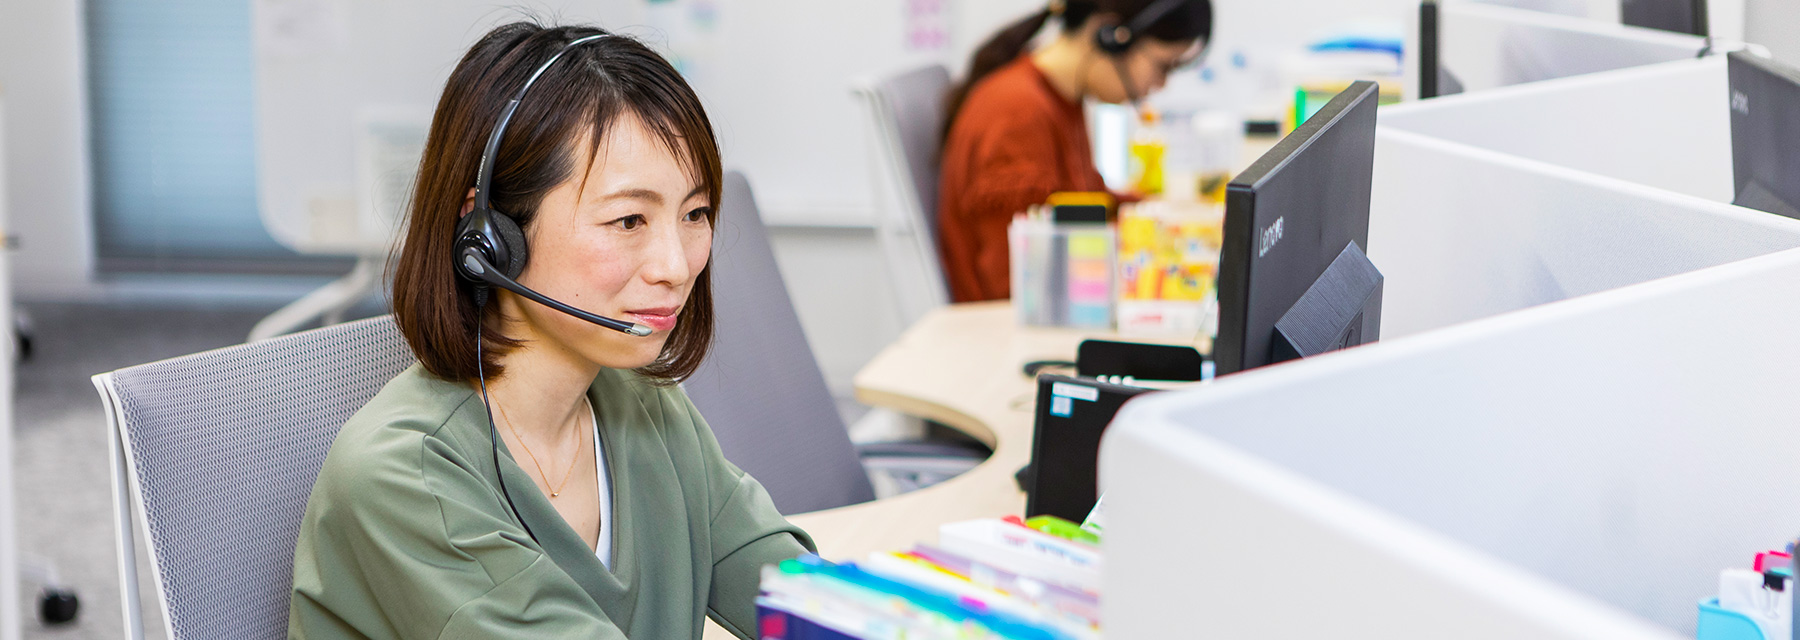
538 473
1017 132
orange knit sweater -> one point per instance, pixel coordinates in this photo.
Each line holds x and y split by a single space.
1014 143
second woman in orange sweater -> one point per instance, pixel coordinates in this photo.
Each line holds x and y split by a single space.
1017 131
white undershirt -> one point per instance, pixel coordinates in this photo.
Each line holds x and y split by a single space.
603 547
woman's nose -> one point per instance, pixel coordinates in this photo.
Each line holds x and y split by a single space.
665 259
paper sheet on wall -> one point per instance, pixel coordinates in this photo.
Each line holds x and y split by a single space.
687 30
927 25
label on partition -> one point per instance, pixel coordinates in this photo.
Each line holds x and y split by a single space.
1078 392
1061 406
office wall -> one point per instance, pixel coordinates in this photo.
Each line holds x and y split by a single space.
778 92
42 73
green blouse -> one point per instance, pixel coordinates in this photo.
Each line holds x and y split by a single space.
406 534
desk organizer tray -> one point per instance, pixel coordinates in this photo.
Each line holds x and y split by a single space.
1718 623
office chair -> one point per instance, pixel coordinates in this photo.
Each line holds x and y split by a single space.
905 120
215 455
763 393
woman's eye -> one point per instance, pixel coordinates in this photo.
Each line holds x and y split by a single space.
698 215
630 222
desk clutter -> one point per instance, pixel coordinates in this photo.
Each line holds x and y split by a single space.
1753 604
1036 579
1149 270
1028 579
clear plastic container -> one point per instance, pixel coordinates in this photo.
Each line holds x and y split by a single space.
1062 275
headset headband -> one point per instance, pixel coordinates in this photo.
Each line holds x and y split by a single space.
1126 34
486 175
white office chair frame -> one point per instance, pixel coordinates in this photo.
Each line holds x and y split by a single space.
128 515
901 227
187 434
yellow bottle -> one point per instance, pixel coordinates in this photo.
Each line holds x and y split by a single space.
1147 147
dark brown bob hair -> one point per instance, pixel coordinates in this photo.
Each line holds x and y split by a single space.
574 102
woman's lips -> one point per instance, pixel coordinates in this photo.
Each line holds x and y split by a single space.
660 319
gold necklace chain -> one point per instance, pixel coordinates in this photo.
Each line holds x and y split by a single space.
534 459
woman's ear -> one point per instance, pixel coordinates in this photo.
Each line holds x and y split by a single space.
468 203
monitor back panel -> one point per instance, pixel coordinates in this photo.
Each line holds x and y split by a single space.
1679 16
1072 413
1765 134
1287 217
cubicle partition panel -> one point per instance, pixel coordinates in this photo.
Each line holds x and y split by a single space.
10 620
1486 46
1665 125
1463 233
1577 470
1602 10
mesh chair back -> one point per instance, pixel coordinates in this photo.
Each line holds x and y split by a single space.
760 388
223 448
916 99
906 122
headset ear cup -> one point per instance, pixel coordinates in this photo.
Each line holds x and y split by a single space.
1114 39
512 249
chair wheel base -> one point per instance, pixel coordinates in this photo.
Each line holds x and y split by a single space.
58 606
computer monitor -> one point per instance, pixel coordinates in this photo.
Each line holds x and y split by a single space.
1679 16
1072 413
1434 78
1293 277
1765 134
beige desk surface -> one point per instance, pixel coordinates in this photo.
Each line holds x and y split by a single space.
960 365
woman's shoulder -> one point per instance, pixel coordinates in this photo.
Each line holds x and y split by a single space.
1015 92
387 434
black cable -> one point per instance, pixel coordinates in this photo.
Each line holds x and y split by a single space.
1036 366
493 431
1137 101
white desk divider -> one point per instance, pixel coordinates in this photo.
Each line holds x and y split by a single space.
1664 125
1463 233
1602 10
1487 46
1576 470
10 619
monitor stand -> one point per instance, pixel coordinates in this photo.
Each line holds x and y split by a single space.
1341 309
1758 197
1448 84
